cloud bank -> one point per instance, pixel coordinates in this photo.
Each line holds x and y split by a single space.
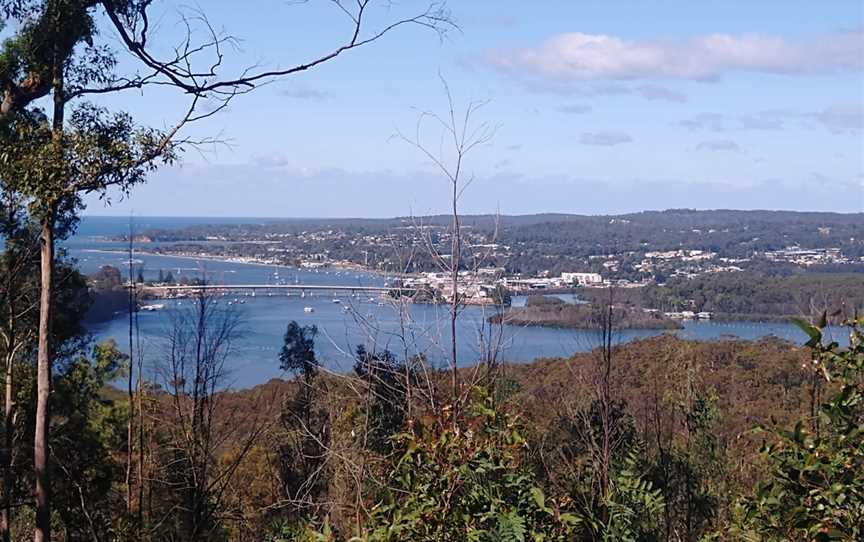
577 56
843 119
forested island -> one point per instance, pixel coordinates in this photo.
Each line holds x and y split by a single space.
553 312
751 296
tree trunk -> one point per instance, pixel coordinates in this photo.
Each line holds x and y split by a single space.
42 532
130 448
9 426
455 260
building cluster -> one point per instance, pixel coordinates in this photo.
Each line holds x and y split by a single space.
808 256
565 280
484 286
522 266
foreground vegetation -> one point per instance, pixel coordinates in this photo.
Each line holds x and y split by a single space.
658 439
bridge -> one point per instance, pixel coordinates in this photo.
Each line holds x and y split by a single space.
276 287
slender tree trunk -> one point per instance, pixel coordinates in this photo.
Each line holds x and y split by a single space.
140 393
9 403
130 448
455 258
9 423
42 532
608 326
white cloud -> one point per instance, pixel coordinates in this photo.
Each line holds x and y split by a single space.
654 92
604 139
719 145
304 94
577 56
844 119
847 119
766 120
713 122
574 109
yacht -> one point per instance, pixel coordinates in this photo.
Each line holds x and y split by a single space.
308 309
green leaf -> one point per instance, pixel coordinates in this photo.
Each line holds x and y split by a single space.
539 498
814 332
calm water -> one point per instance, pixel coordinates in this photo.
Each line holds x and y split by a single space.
343 325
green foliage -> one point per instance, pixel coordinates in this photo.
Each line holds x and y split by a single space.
298 350
814 488
86 431
754 295
302 532
634 505
305 434
466 479
387 380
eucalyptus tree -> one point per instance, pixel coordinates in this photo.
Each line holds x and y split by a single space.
58 148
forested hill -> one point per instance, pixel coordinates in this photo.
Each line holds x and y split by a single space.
670 220
731 233
727 232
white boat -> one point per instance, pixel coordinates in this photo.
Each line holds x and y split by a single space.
308 309
153 307
337 301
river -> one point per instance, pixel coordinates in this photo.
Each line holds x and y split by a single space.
342 325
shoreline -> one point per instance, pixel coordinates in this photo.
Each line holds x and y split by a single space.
222 259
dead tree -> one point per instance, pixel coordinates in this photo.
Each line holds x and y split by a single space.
459 135
197 429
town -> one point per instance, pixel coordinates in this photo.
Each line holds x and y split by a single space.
517 256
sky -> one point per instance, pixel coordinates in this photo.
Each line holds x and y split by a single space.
592 106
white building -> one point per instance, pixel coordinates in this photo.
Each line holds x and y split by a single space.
582 279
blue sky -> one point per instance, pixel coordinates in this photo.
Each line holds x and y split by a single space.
600 107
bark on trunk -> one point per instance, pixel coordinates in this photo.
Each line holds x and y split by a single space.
42 532
9 425
129 383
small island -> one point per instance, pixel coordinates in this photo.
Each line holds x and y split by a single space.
547 311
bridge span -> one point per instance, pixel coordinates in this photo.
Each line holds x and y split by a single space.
271 287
